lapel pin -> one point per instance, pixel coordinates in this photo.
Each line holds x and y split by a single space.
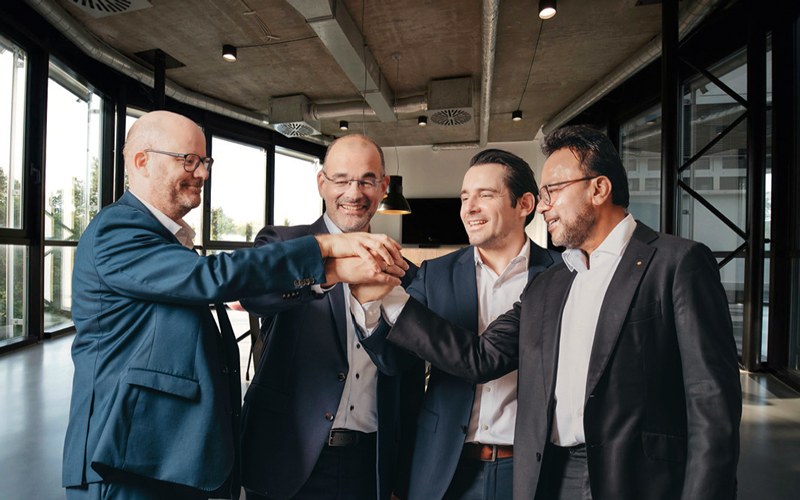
639 263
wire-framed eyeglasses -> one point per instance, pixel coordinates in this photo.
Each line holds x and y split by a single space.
368 185
544 191
190 160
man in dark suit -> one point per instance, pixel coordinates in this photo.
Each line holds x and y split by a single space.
465 436
156 391
628 377
324 417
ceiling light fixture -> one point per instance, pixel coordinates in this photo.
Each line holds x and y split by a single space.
343 125
422 121
516 116
229 53
547 9
394 203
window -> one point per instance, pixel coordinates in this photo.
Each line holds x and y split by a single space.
13 257
297 199
640 142
238 190
72 184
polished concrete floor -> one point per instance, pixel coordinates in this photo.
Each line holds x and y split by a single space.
35 385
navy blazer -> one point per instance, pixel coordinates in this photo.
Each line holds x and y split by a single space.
663 399
447 285
300 379
155 390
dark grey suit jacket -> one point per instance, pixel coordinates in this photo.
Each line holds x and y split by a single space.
663 399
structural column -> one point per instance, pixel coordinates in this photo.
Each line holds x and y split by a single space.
670 113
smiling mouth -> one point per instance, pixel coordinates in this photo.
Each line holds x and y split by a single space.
351 208
476 223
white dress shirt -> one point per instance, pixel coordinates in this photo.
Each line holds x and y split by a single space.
494 409
358 408
182 231
578 326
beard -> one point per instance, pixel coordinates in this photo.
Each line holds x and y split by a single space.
351 223
575 231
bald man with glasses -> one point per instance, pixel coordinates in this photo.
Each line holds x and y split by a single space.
326 415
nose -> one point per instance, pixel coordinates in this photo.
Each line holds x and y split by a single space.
353 190
541 206
201 171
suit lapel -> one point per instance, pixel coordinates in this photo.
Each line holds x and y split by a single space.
466 290
617 302
539 260
336 295
555 298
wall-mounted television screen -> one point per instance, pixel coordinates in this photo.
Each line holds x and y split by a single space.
433 222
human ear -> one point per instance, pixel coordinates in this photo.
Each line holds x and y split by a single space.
140 161
527 204
601 190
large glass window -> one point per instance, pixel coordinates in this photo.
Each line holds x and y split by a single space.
297 199
238 190
12 115
72 184
13 258
640 149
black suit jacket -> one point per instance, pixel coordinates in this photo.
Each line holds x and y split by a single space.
300 379
663 399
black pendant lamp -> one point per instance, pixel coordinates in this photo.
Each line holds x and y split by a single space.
394 203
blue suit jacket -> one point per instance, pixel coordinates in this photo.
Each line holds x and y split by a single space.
447 285
300 379
155 391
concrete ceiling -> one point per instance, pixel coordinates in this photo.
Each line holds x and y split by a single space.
438 39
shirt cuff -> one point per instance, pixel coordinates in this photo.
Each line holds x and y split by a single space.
319 289
393 304
366 316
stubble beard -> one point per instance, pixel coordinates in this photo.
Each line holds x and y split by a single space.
576 231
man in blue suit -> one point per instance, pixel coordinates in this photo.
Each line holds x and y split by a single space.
156 391
326 416
465 435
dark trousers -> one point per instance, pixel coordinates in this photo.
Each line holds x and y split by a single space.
341 473
479 480
564 474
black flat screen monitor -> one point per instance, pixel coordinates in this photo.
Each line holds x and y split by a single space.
434 222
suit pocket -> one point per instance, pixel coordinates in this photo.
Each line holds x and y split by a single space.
647 311
664 447
266 397
428 420
163 382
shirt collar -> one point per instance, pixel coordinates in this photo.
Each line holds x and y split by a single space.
523 256
332 228
615 244
180 229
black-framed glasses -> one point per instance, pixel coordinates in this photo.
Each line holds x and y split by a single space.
544 191
364 185
190 160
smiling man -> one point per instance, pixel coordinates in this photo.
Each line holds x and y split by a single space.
628 374
325 415
465 438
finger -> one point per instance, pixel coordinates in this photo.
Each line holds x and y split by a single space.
374 264
387 279
396 271
402 264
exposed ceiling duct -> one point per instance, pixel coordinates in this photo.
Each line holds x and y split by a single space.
690 16
490 13
337 30
61 20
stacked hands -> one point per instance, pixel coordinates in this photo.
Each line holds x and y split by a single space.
371 263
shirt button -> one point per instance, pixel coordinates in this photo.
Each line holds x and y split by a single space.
580 413
485 427
341 377
463 429
488 389
358 346
357 375
329 417
352 407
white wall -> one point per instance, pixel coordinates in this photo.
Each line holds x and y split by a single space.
438 174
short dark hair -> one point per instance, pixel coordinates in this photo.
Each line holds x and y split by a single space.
363 138
596 155
519 176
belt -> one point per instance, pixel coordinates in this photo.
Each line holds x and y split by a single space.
487 452
346 437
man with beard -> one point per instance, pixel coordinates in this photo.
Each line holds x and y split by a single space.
464 442
326 414
156 391
628 376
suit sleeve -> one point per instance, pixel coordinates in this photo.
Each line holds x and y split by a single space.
135 259
711 377
269 304
457 350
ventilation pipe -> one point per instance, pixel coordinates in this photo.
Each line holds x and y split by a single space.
490 9
63 22
693 12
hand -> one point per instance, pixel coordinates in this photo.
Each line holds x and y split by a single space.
370 291
376 250
354 271
236 306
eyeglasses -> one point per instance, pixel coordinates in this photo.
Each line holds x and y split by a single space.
364 185
545 193
190 160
